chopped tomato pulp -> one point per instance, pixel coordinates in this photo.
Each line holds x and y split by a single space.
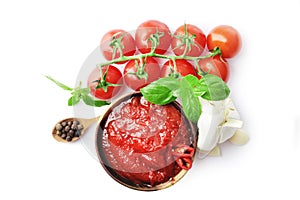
139 139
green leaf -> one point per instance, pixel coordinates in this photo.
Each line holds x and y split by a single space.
73 100
158 94
193 81
165 90
212 88
88 100
98 103
190 103
168 82
161 91
199 92
81 91
63 86
191 106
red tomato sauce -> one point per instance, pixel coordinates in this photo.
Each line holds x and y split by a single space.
139 140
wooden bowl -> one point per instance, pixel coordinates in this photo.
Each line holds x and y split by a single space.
114 173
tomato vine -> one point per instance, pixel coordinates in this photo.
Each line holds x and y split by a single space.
155 41
188 89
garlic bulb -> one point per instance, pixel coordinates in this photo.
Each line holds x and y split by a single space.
218 122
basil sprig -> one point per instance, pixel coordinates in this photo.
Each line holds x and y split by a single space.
188 89
78 94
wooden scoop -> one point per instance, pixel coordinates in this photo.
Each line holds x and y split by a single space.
84 122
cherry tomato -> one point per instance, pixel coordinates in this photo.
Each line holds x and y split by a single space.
183 68
226 38
114 76
145 30
138 75
192 34
115 39
216 66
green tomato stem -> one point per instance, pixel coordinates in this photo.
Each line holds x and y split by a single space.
155 40
163 56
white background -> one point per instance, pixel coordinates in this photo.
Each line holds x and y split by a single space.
55 38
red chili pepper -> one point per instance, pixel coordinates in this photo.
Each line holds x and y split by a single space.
185 163
183 151
183 154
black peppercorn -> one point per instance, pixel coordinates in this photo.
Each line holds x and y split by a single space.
69 138
63 136
70 133
58 127
74 127
77 133
67 130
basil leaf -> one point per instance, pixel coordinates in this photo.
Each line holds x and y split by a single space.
190 103
63 86
88 100
158 94
83 91
191 107
212 88
99 103
199 92
73 100
193 81
168 82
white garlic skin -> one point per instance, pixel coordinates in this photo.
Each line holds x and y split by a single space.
218 122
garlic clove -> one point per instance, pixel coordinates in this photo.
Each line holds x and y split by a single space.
240 137
234 123
208 125
218 123
215 152
228 129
